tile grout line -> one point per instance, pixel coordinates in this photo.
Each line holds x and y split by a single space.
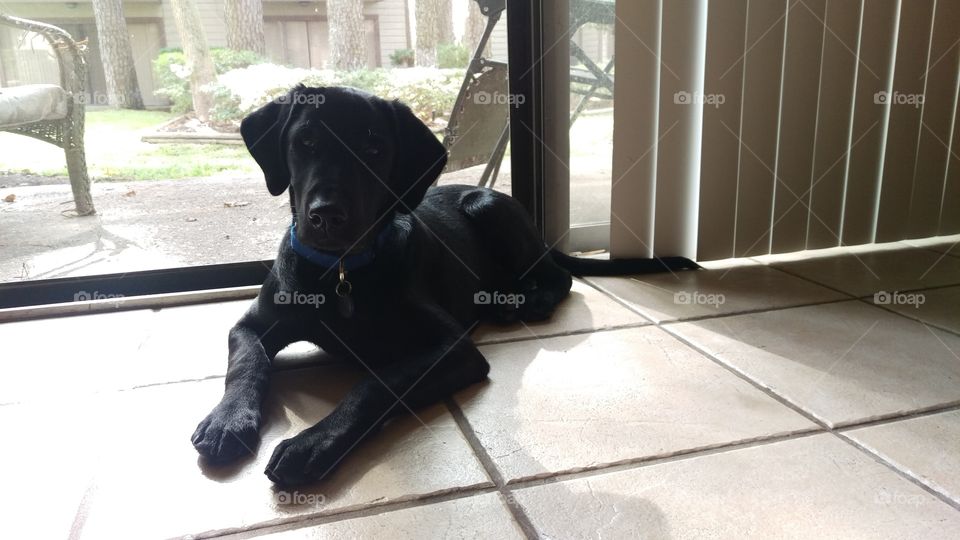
566 333
752 312
859 297
515 509
304 521
910 477
769 392
909 318
932 411
680 455
835 430
865 298
695 318
810 280
890 418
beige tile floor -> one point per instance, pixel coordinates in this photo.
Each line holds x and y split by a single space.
775 400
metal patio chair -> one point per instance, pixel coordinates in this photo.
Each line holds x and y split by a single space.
52 113
479 127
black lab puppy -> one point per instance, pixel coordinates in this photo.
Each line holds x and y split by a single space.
378 268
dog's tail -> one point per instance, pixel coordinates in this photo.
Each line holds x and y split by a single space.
579 266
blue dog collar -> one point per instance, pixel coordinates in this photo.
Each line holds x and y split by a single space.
329 259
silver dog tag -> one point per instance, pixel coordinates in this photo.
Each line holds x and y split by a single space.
343 290
345 306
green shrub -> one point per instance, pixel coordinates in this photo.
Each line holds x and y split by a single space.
370 80
225 60
403 58
452 55
169 69
430 92
173 80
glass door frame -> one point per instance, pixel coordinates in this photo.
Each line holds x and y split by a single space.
525 50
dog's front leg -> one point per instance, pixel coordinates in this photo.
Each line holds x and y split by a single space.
413 380
232 429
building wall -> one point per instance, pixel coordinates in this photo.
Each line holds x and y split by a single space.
144 22
390 16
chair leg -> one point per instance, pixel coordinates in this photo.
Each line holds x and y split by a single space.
79 181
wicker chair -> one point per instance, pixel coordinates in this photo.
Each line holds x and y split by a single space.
63 128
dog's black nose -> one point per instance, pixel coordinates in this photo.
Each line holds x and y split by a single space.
326 215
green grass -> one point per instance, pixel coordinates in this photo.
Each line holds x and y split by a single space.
115 152
125 120
172 161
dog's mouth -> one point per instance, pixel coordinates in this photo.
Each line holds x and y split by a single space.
323 242
334 241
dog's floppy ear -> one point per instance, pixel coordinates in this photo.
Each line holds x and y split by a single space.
262 132
420 158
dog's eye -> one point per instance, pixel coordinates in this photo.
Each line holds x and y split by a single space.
309 143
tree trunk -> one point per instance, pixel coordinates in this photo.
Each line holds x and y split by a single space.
427 15
445 22
245 25
199 62
348 39
476 23
123 90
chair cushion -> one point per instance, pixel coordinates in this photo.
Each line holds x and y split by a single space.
20 105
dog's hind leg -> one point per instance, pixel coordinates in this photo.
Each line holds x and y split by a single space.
509 236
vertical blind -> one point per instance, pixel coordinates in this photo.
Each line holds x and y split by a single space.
747 127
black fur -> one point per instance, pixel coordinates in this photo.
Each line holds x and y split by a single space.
356 165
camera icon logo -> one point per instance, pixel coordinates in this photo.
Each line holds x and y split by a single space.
82 296
482 298
882 298
282 298
881 98
682 98
682 298
482 98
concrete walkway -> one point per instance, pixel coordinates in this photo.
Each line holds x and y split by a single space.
145 224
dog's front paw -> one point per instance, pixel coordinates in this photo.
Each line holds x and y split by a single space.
306 458
228 433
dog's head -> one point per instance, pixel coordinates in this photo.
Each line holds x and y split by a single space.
349 159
